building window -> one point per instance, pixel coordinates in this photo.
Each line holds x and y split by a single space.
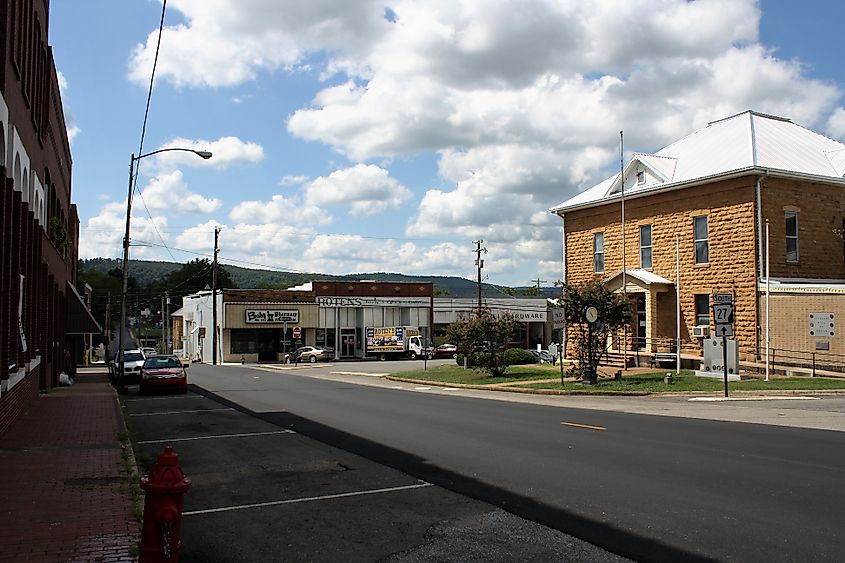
640 178
702 245
791 236
702 309
598 252
645 246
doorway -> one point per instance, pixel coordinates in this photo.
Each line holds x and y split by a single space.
268 345
347 342
641 332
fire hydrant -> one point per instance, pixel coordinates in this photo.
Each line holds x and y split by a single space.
165 489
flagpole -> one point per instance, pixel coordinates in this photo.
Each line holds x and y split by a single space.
624 266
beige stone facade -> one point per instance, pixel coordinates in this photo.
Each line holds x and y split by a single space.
732 267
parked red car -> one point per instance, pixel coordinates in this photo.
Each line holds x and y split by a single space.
164 372
446 351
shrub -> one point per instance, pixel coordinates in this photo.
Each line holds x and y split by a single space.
518 357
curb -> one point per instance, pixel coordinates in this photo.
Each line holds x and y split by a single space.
523 390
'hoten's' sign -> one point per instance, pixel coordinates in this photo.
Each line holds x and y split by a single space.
271 316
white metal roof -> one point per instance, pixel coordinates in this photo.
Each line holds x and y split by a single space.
745 141
644 276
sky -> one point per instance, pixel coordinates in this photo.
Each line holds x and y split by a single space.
354 136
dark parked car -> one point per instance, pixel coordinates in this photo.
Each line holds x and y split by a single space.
164 372
446 351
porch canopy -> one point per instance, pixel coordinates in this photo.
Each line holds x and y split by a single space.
647 284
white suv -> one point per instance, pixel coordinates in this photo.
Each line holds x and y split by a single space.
133 360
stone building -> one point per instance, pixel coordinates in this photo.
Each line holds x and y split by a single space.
714 195
41 314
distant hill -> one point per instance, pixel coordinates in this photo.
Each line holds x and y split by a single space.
148 271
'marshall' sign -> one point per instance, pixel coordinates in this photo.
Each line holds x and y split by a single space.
271 316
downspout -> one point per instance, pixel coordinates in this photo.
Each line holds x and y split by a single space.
759 205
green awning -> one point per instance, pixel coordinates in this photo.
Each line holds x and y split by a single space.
78 319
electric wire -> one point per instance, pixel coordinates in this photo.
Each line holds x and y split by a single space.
144 131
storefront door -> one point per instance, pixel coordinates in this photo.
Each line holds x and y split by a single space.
268 344
347 342
641 333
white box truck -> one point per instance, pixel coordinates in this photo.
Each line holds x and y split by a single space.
393 343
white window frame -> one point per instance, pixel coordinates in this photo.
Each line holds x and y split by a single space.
701 241
598 253
648 246
787 215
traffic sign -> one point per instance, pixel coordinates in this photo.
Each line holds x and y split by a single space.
723 313
723 298
724 330
297 331
558 318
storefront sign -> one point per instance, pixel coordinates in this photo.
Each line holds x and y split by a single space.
373 301
271 316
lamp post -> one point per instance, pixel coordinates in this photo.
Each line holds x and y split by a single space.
203 154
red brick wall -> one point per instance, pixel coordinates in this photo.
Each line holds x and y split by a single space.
13 403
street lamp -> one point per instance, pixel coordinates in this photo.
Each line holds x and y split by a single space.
202 154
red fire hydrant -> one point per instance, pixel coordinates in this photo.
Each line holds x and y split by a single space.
165 488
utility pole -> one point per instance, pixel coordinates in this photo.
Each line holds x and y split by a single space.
479 264
163 317
168 346
214 299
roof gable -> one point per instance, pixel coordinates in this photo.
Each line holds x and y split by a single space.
746 141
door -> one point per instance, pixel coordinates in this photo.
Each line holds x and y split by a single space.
641 333
347 342
268 344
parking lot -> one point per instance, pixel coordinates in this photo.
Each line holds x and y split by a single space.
262 492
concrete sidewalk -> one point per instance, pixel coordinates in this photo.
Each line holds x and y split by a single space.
64 488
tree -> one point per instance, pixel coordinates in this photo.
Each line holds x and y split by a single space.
590 338
195 276
484 337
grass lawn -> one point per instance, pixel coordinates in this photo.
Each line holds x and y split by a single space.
457 374
641 383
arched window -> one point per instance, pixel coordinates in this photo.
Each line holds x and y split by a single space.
17 172
25 185
2 144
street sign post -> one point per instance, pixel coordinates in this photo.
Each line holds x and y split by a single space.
723 315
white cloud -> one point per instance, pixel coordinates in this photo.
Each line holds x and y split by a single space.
836 123
228 42
102 235
292 180
70 123
367 189
169 192
279 210
522 101
226 151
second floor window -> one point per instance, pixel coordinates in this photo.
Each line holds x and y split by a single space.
598 252
702 243
645 246
791 236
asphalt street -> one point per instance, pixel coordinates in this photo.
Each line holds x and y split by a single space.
647 487
263 493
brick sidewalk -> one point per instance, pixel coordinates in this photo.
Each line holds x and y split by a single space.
63 484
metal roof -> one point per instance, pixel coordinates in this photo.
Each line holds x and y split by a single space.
747 141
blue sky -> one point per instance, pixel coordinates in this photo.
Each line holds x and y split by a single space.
364 136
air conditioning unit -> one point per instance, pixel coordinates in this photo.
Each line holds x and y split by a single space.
701 331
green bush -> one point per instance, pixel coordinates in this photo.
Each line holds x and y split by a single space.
459 359
518 357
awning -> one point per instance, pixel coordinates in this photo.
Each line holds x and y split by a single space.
78 319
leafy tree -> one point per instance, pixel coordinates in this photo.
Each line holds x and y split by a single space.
533 291
485 333
590 338
195 276
508 290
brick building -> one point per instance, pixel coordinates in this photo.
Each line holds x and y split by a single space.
713 194
39 227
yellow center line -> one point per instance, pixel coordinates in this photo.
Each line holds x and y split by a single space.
584 426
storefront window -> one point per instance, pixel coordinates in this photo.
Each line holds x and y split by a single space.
325 337
244 341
